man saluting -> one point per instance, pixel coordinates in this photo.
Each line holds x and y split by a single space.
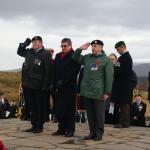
95 85
37 78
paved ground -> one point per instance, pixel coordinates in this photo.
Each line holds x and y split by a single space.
133 138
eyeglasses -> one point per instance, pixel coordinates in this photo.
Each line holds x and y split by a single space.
64 46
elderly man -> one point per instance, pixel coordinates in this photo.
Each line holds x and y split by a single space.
36 79
95 85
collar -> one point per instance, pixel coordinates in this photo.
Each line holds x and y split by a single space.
37 50
124 52
99 54
63 55
139 102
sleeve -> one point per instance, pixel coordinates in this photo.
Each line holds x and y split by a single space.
78 57
109 73
22 51
125 67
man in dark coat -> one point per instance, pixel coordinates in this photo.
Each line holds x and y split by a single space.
122 84
138 110
66 71
36 79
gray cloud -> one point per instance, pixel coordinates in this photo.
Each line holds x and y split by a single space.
80 14
81 20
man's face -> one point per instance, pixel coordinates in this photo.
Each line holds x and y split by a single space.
37 44
65 47
121 49
113 59
138 98
96 49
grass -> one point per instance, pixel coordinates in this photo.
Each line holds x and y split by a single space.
9 84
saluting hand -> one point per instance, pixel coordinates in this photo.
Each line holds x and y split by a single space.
27 42
85 46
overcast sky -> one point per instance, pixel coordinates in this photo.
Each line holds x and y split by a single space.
80 20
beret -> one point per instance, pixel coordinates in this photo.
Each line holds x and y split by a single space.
99 42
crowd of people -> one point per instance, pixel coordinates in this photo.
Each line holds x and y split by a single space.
93 88
7 109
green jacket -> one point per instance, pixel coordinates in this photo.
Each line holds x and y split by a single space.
97 76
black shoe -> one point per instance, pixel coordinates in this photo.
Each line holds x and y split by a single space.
97 138
89 137
29 130
69 134
38 130
57 133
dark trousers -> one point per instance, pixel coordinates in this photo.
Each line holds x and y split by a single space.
66 123
96 115
125 114
46 105
27 110
37 107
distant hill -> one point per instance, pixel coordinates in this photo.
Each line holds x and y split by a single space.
15 70
142 70
9 84
10 80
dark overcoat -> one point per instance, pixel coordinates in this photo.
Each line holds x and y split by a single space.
122 84
66 71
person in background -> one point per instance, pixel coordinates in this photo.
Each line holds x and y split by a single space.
3 106
24 93
111 109
52 91
95 86
122 84
66 71
12 109
80 114
138 110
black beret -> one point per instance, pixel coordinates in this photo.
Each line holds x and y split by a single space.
119 44
99 42
38 38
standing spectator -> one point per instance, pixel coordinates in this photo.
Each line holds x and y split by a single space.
111 110
122 84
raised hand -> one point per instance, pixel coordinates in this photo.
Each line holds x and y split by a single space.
27 42
85 46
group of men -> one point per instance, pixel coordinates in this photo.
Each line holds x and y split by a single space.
101 80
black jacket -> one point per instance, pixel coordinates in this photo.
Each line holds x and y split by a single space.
66 71
37 70
122 85
138 110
